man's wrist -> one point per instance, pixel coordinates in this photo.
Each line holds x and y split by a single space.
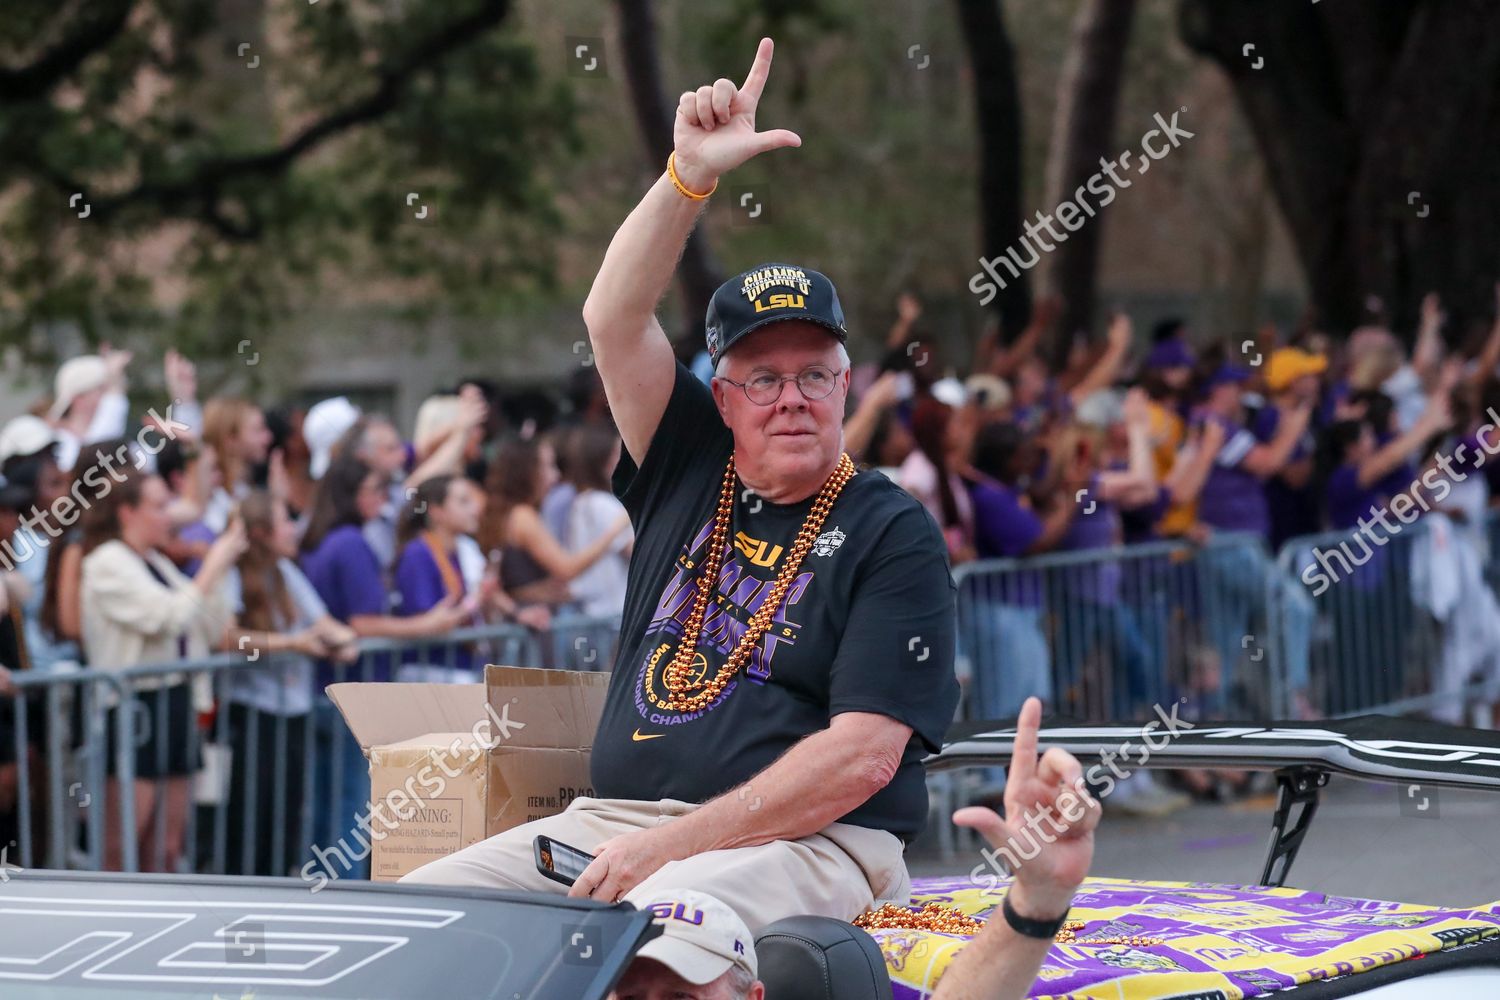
1042 904
696 178
684 838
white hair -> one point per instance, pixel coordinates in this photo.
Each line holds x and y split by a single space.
843 360
739 982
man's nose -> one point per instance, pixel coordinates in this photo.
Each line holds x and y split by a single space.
794 400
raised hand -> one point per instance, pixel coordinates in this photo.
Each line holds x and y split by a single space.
1048 809
885 391
233 541
1211 436
181 377
908 308
714 131
1433 316
115 362
278 482
1438 416
472 410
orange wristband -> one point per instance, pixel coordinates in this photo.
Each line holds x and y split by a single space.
677 182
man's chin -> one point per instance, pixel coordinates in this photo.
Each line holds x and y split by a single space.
799 449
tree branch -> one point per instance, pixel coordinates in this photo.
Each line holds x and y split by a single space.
997 113
100 21
198 193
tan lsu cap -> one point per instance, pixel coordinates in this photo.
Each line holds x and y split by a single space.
702 938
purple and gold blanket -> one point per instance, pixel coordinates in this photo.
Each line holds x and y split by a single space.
1242 941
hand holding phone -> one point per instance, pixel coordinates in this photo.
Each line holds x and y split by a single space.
558 861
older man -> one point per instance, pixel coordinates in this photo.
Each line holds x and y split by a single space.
786 653
705 952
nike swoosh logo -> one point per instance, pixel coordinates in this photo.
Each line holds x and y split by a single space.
637 736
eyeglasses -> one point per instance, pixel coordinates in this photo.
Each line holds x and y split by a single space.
815 382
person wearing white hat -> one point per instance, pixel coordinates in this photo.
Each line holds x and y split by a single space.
705 952
325 423
88 402
24 436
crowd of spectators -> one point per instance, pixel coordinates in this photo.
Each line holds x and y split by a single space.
219 527
223 528
1262 440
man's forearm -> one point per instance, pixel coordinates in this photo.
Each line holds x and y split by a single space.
640 262
860 427
1141 462
811 785
1268 459
1188 476
998 964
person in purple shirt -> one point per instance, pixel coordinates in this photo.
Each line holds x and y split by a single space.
342 567
1001 618
1093 611
1372 577
1378 410
428 572
1233 496
1361 482
1228 481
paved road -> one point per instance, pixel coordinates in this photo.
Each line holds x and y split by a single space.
1361 843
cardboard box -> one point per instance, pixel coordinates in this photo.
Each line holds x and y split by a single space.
452 764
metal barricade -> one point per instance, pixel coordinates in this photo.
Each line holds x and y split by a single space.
271 772
1406 621
1106 633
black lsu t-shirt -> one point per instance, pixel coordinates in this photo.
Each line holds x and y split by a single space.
867 625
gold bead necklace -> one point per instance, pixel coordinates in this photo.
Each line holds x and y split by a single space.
931 917
943 919
684 693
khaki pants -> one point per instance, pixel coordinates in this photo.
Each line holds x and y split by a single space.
841 871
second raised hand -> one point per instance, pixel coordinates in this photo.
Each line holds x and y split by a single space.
714 129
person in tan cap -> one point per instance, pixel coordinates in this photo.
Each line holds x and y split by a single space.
705 952
88 402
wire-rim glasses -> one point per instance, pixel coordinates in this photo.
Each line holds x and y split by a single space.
814 382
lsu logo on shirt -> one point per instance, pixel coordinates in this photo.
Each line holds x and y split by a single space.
758 552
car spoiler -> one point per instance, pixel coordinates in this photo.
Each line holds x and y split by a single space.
1303 756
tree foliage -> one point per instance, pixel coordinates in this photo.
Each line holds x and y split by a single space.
235 157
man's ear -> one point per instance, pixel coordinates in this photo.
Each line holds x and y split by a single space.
757 992
719 389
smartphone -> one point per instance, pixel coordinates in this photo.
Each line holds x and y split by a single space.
558 861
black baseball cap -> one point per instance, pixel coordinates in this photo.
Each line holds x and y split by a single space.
770 293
